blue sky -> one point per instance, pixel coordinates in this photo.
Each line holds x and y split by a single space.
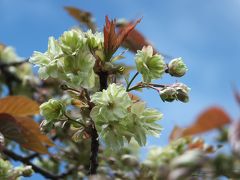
205 33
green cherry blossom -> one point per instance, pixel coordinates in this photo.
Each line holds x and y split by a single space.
149 65
111 104
47 61
141 121
71 41
94 40
68 59
52 110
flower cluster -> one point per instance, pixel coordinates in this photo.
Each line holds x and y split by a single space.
70 58
84 61
152 66
118 119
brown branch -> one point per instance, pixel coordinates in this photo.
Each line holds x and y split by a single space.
32 156
9 76
18 63
94 150
103 76
37 169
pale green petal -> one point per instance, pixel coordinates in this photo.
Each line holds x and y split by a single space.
138 108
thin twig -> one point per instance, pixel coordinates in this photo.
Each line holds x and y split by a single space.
73 120
31 156
37 169
129 84
146 85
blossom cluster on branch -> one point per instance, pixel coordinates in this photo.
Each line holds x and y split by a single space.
79 58
93 116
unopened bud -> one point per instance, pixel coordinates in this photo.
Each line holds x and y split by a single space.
111 160
130 160
182 92
177 68
168 94
28 171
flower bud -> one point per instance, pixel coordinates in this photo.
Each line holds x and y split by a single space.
111 160
52 110
28 171
182 92
177 68
130 160
168 94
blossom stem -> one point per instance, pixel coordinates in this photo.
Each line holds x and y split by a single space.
129 84
146 85
74 121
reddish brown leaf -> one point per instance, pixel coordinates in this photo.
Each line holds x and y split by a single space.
81 16
201 145
24 131
18 106
34 140
135 40
212 118
10 129
33 127
113 39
